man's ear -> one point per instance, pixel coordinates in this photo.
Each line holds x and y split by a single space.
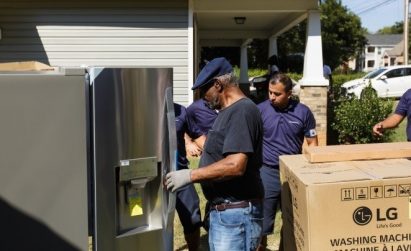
218 86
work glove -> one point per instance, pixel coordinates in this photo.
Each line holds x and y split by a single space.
177 179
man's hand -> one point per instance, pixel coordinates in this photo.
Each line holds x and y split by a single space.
378 129
177 179
193 149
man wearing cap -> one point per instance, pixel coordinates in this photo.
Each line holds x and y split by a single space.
229 165
286 123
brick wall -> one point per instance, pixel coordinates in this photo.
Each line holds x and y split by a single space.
315 97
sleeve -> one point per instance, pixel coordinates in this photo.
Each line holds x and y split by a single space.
403 105
309 130
192 129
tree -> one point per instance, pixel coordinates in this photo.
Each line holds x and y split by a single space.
397 28
257 54
342 34
291 46
341 31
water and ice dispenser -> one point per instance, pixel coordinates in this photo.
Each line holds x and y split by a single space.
133 193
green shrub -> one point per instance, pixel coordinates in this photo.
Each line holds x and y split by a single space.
354 118
339 79
257 72
336 96
251 72
295 76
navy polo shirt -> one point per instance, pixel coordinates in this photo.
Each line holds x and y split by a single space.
403 109
201 115
182 125
285 129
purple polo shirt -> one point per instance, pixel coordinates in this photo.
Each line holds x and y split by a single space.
182 125
202 116
403 109
284 130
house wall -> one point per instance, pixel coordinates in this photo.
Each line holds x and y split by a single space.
117 33
376 56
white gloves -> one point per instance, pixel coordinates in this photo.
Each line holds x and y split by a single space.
177 179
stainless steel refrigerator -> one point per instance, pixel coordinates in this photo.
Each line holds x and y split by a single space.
83 153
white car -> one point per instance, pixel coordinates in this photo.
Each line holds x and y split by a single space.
391 81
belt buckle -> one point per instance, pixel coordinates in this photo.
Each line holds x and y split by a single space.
224 207
221 207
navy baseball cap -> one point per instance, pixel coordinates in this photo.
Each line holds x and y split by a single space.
215 68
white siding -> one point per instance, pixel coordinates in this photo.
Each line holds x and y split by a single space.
111 32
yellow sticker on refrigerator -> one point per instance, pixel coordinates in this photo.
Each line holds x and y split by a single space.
135 202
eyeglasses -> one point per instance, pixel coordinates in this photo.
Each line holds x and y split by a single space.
206 87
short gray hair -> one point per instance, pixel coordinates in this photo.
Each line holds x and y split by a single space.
228 79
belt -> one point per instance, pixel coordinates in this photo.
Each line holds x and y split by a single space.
237 204
271 166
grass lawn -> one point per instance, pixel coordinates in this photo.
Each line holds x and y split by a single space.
400 132
179 242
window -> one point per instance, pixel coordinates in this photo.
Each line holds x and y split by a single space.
395 73
374 73
371 49
379 51
407 71
370 63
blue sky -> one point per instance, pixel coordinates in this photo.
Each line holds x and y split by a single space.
376 14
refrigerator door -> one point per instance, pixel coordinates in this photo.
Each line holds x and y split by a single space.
134 146
43 160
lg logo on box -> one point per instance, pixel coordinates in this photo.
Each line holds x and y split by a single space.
363 215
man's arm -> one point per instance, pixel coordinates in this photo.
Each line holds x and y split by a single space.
200 141
192 148
392 121
233 165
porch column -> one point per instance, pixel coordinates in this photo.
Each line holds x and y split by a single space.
314 86
272 46
244 83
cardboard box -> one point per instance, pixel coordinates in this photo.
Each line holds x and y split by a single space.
346 206
25 66
316 154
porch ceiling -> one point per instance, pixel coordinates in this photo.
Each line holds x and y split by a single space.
264 18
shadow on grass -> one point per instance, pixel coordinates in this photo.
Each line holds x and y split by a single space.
272 245
203 243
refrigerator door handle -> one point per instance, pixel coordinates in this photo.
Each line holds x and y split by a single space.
172 155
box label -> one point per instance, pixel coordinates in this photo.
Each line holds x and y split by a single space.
383 242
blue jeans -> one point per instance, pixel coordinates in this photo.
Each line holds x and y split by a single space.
237 229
